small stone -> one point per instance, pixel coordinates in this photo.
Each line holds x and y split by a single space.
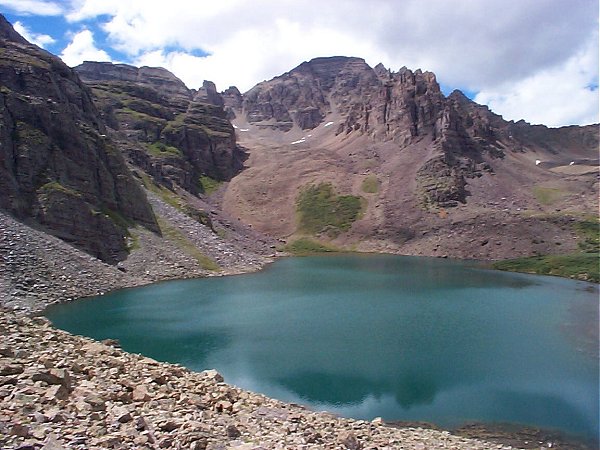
169 425
8 380
39 417
112 342
19 430
213 375
224 406
11 369
140 423
349 441
5 351
57 417
54 376
27 445
95 401
140 394
200 444
38 432
233 432
121 414
58 392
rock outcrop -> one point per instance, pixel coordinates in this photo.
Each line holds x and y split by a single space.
172 133
58 168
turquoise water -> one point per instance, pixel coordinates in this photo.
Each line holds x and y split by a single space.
364 336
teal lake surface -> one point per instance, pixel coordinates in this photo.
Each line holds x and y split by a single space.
404 338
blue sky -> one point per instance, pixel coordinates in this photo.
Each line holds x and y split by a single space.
526 59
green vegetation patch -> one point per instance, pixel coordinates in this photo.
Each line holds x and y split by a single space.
547 196
167 196
589 233
133 242
581 266
29 135
140 117
208 184
55 186
306 246
161 150
370 184
320 210
118 219
178 238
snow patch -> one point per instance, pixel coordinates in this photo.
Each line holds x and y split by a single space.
299 141
328 124
244 129
235 126
571 163
537 162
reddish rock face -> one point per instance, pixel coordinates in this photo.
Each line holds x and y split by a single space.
57 167
403 108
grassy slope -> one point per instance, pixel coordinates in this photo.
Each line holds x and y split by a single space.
320 210
584 265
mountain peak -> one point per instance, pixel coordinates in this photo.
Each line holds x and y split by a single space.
157 77
7 32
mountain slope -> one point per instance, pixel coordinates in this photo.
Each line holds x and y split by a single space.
57 167
436 175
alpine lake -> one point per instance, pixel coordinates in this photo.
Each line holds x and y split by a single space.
403 338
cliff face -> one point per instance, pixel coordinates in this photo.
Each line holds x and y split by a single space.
173 133
57 167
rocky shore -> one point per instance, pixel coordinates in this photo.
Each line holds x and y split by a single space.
59 391
37 269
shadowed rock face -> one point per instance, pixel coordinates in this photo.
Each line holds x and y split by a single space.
57 167
173 133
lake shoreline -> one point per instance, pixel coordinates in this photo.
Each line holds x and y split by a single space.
73 391
70 276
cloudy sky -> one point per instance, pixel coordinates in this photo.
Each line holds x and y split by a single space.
527 59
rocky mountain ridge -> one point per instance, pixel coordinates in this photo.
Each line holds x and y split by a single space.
402 107
420 164
438 164
174 134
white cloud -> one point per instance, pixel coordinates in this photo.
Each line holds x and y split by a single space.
82 48
561 95
38 39
249 56
492 47
34 7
